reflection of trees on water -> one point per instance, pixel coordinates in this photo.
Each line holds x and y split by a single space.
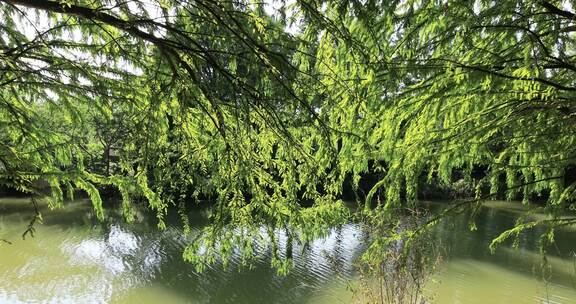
490 222
116 257
136 255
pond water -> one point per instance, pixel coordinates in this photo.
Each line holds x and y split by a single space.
74 258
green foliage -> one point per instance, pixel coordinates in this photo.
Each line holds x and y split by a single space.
172 102
444 88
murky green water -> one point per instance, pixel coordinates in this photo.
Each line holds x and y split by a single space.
76 259
471 274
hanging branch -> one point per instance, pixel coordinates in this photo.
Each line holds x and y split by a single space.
37 218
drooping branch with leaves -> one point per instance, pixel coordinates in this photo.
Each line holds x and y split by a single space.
222 99
449 88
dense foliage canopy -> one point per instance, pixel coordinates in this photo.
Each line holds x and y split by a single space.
272 108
